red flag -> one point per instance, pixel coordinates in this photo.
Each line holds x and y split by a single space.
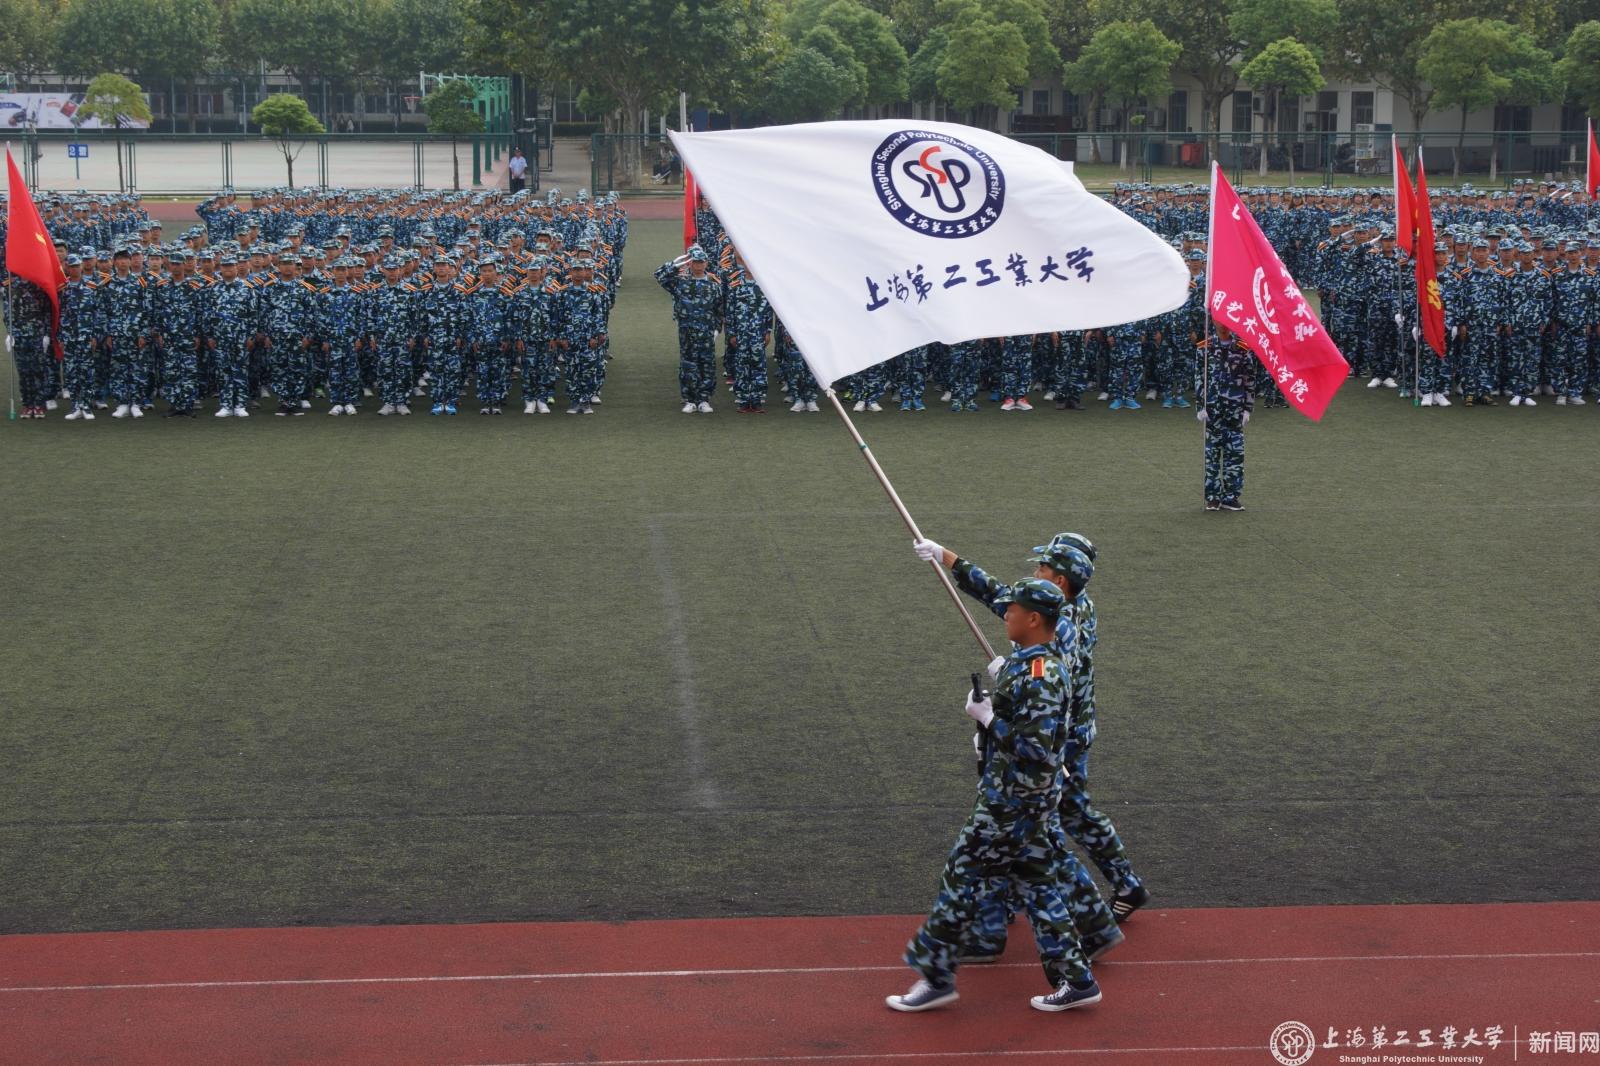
1249 291
29 253
1430 301
690 196
1405 205
1591 172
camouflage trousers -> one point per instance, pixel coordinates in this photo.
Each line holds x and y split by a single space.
395 377
585 366
539 374
1569 363
446 368
749 367
288 368
344 372
989 860
1126 369
180 374
1016 366
1382 347
965 366
1433 373
1480 361
910 373
1346 325
802 384
1093 831
868 385
1224 451
697 364
36 368
79 365
233 371
1071 375
1522 364
130 376
491 367
1174 366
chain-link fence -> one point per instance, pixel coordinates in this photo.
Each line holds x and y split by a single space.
644 163
175 164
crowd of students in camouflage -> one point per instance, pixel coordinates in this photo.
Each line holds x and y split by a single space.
332 293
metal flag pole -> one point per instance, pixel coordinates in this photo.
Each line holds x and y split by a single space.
11 415
911 524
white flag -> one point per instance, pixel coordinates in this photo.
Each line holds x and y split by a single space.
872 238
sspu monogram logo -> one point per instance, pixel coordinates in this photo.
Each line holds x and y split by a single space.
1292 1043
938 185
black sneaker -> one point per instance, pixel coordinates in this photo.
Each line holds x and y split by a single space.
1126 903
1074 404
284 410
1096 946
1232 505
1488 401
924 996
982 956
1213 505
174 413
1067 997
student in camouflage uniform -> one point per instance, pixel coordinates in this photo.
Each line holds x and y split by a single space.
341 323
749 318
697 307
1529 302
230 317
584 306
795 370
1016 372
80 333
1481 322
30 337
1005 841
1225 402
393 335
443 303
126 337
536 344
178 327
966 362
1573 317
491 333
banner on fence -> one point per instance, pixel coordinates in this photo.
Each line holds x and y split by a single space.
51 111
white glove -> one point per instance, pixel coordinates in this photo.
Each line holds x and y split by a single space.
1200 415
1398 320
1246 421
980 711
44 344
977 744
1416 334
994 666
928 551
1455 332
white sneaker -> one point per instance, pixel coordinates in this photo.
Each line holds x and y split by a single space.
1105 396
1516 401
874 406
1575 401
265 393
401 409
88 415
1530 402
240 412
336 410
1561 401
1024 405
136 411
922 996
542 407
121 411
704 408
386 409
1549 390
1496 392
224 412
1150 395
1441 400
49 405
74 414
418 392
799 405
305 405
1427 399
945 396
366 392
1390 383
1049 396
593 399
811 406
689 408
1374 383
530 407
861 405
1009 405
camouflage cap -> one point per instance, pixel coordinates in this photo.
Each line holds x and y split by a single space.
1066 560
1035 594
1076 540
699 253
392 262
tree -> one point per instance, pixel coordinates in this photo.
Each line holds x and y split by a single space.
923 73
806 86
1210 48
161 41
1283 67
982 64
1125 61
1475 63
450 109
30 27
115 101
872 41
311 39
1258 23
825 41
285 117
1580 65
421 35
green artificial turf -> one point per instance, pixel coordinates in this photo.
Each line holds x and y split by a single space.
645 664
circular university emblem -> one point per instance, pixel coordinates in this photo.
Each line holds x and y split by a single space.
1292 1043
936 184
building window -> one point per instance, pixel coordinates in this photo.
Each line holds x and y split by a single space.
1515 118
1361 109
1241 112
1041 101
1178 111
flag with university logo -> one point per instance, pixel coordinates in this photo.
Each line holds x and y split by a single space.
1249 291
873 238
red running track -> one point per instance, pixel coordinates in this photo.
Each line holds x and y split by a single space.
1190 987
